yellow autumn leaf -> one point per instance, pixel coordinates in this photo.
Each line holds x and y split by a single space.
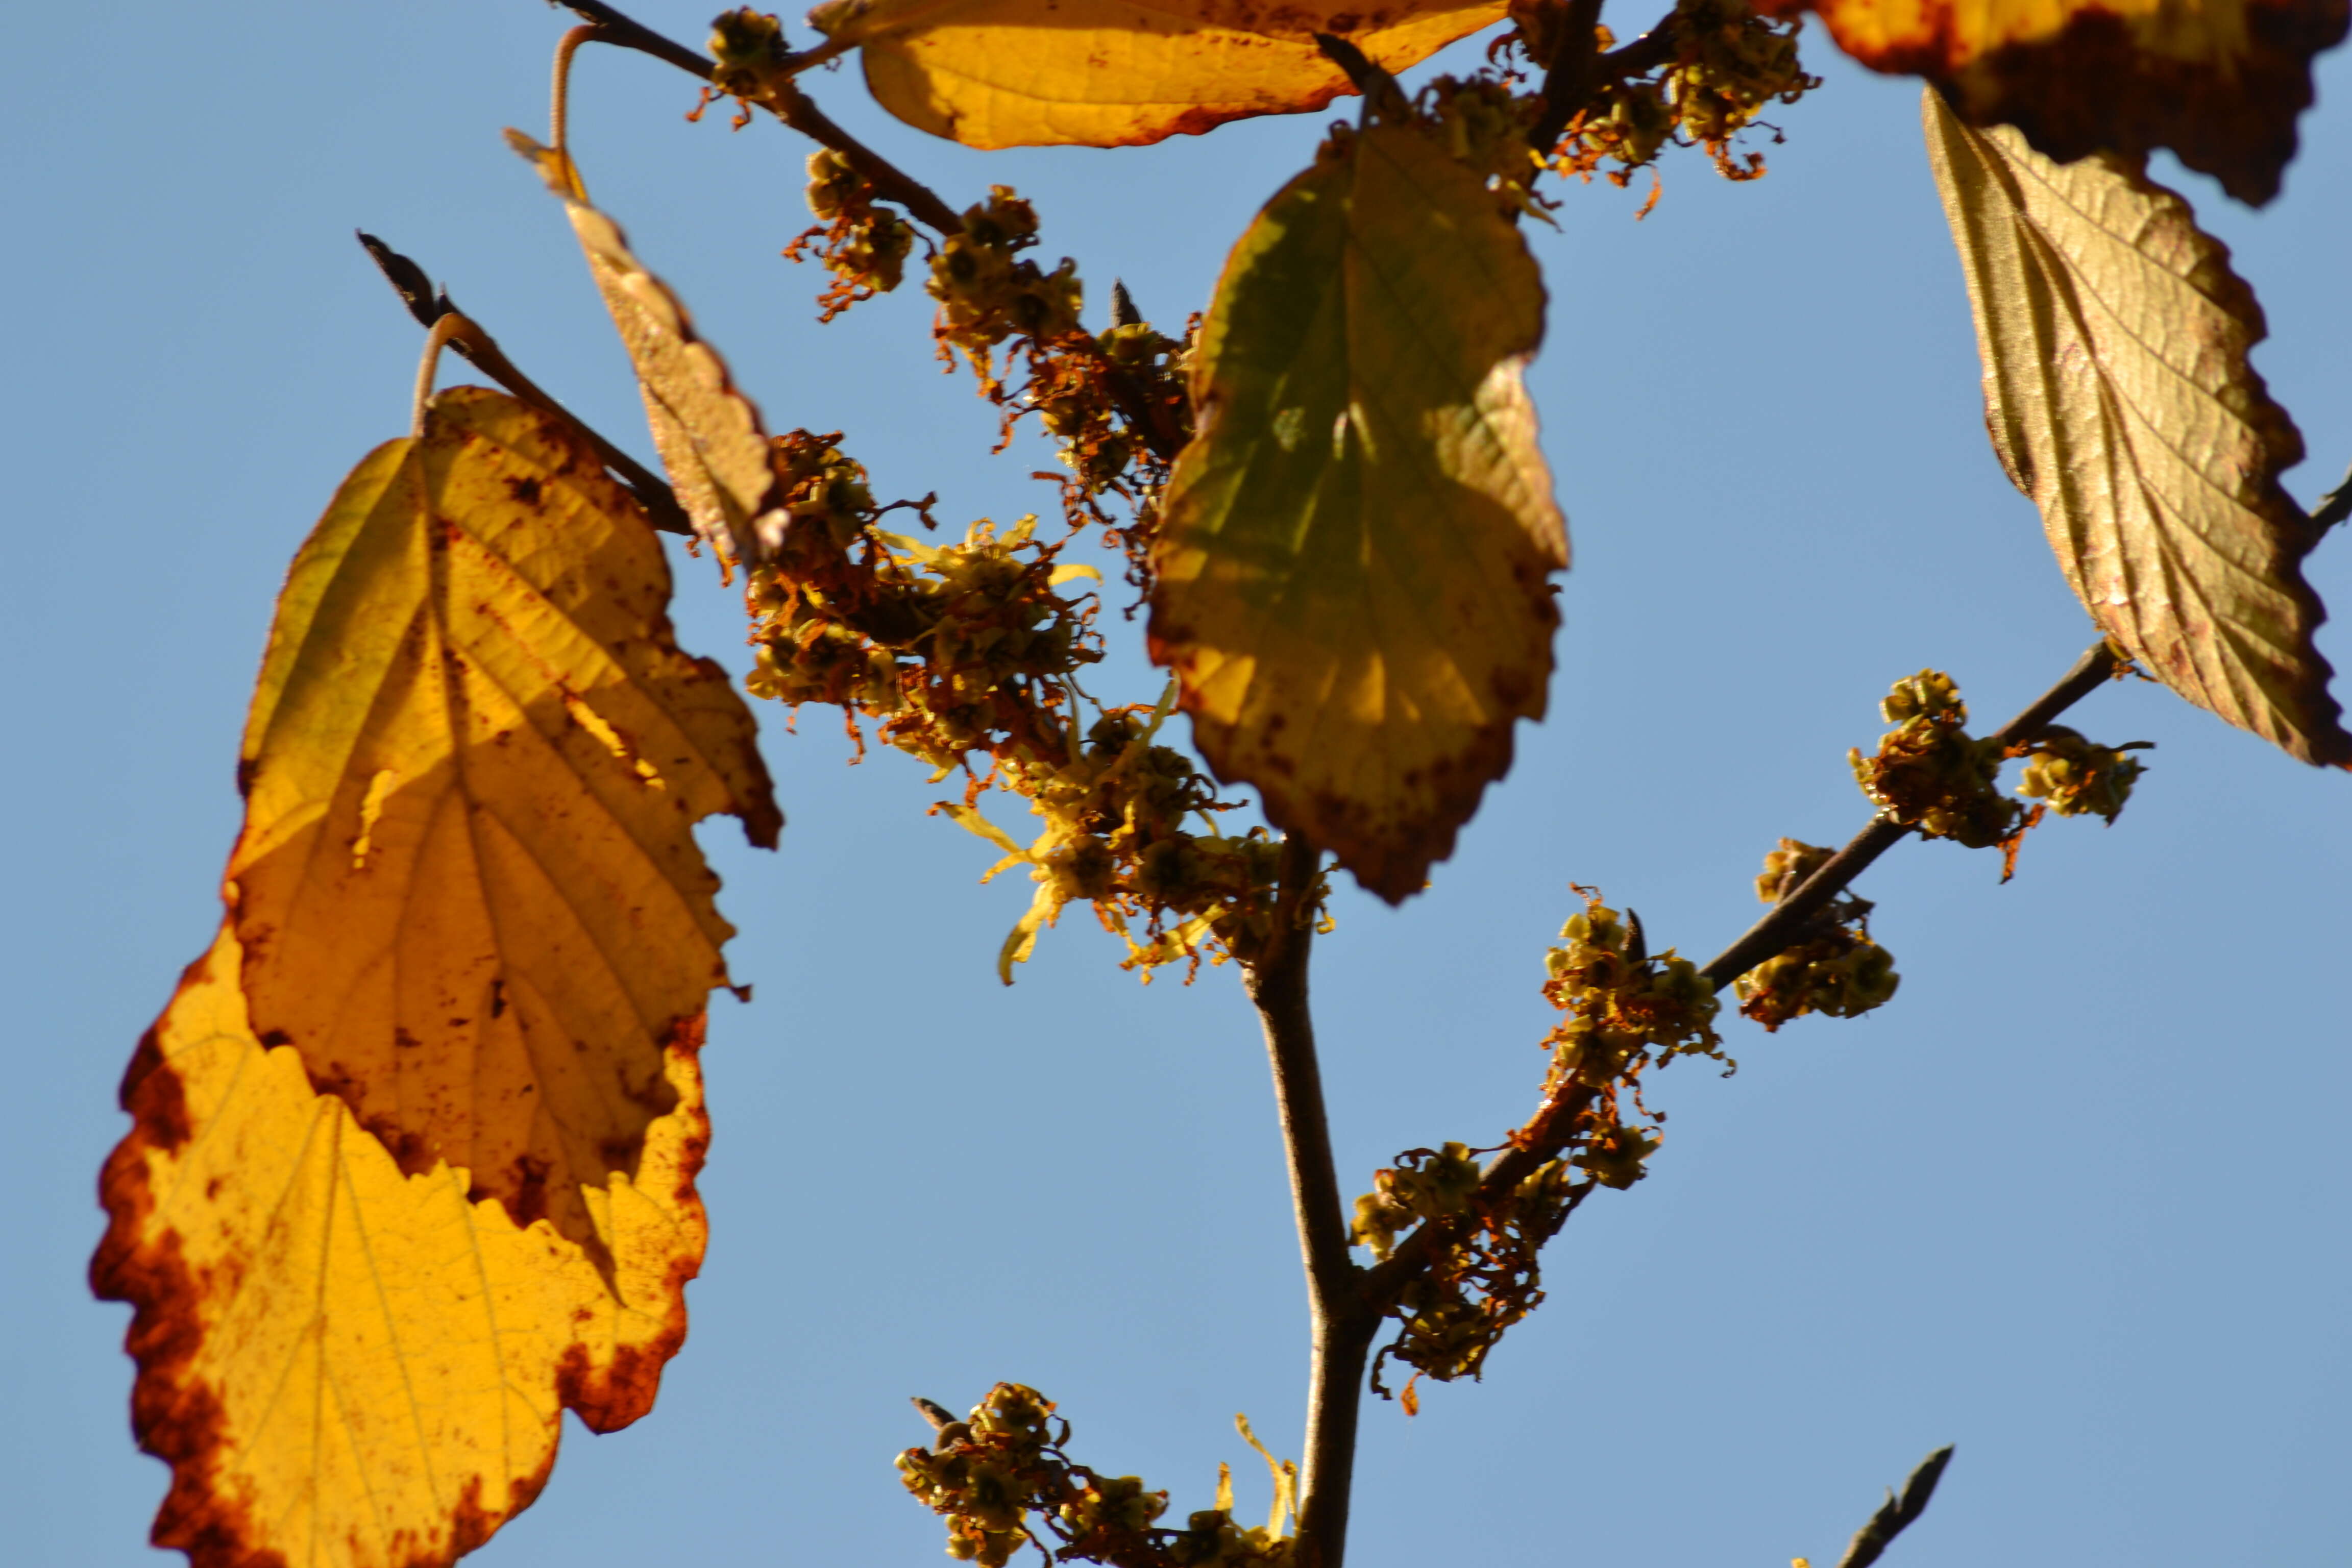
344 1367
2219 82
2120 399
709 433
467 890
1352 565
1116 73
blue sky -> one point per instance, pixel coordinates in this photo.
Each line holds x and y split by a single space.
2075 1201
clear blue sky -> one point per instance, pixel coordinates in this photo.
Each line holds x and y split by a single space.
2076 1201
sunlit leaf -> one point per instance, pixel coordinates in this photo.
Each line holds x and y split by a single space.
709 434
346 1367
2120 399
2219 82
1110 73
467 890
1352 565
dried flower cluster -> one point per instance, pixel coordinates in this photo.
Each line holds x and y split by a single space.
1001 1477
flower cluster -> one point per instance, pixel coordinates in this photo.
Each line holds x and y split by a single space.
1727 66
863 246
965 655
1835 967
1115 406
2075 776
1478 1271
1930 773
750 60
1483 123
1004 1475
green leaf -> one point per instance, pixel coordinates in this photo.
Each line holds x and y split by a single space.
1351 575
2119 398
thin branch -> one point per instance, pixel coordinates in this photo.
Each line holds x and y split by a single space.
1791 914
1643 54
434 312
1570 75
1383 96
1537 1140
2334 507
1342 1331
1897 1512
788 103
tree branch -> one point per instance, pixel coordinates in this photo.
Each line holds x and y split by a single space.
1539 1139
1643 54
789 104
1341 1329
1898 1513
2334 507
1791 914
1570 75
467 338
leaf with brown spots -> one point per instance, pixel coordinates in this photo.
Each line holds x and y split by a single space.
1352 566
344 1367
2120 399
709 433
2219 82
467 890
1117 73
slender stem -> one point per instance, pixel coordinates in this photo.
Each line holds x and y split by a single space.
1771 934
1341 1332
465 336
1651 49
2334 507
1570 75
1537 1140
787 103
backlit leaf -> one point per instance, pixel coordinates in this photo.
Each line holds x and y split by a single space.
1351 570
2120 399
709 434
2219 82
1112 73
346 1367
467 890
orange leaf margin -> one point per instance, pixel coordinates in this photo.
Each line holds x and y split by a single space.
346 1365
2220 82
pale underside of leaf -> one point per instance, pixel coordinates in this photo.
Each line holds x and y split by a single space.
345 1366
2220 82
1352 570
1104 73
709 433
467 890
2120 399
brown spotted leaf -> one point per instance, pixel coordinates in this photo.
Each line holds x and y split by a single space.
1351 572
1112 73
709 433
2120 399
345 1366
2219 82
467 890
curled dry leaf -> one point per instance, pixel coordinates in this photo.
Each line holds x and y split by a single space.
344 1367
467 890
2219 82
1352 566
1113 73
709 433
2120 399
